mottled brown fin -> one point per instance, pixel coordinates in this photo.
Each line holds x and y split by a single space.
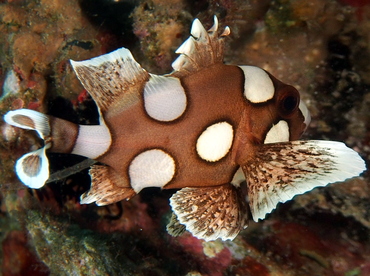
114 78
202 49
174 227
280 171
104 189
211 212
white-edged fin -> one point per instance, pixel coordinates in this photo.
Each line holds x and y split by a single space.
210 213
214 28
104 187
29 119
197 30
111 77
33 168
200 50
280 171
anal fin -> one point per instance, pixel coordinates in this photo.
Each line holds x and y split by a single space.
210 213
104 187
280 171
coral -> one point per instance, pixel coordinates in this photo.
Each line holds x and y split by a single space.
160 29
69 250
37 36
214 256
19 258
349 199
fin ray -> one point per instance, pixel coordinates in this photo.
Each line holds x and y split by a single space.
202 49
211 212
111 78
33 168
29 119
282 170
104 189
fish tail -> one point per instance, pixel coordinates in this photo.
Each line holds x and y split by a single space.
32 168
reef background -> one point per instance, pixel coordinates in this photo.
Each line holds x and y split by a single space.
322 47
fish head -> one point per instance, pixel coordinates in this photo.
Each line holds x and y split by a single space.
274 111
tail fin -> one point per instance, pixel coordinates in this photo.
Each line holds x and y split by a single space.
32 168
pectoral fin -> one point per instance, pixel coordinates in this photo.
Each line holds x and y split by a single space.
211 212
280 171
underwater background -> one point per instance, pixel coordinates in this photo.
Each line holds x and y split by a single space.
322 47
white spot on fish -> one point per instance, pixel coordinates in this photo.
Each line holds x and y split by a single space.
215 142
278 133
164 98
258 86
151 168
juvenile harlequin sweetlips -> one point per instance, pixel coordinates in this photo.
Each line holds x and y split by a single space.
192 130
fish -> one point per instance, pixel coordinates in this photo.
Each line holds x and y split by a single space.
201 130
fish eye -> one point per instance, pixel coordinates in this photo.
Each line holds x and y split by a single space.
288 101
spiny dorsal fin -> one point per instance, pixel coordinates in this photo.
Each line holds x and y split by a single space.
202 49
280 171
112 78
104 189
210 213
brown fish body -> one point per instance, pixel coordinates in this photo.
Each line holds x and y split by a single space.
133 131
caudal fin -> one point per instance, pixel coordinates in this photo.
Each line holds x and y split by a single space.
32 168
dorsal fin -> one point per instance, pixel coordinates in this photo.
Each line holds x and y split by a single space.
112 78
202 49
